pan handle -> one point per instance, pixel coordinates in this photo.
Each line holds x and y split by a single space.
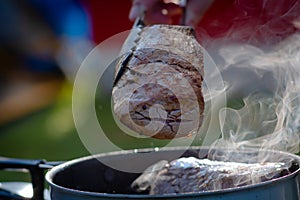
36 169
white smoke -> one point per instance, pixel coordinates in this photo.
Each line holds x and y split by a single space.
268 84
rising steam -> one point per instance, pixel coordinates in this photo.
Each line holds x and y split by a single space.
268 84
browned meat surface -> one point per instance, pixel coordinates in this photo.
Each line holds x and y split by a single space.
159 93
186 175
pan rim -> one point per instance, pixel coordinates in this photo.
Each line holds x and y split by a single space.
50 175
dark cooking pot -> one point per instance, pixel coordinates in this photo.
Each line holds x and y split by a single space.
88 178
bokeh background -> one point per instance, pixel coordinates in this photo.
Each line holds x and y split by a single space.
42 44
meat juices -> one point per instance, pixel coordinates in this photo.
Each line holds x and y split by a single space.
158 84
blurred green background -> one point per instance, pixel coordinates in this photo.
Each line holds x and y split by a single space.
47 133
42 44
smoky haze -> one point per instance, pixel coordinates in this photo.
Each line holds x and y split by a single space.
267 83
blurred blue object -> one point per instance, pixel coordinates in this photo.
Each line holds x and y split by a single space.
66 17
33 30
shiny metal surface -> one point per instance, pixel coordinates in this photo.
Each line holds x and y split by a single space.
65 181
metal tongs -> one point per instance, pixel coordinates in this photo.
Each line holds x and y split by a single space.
139 22
133 37
182 4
